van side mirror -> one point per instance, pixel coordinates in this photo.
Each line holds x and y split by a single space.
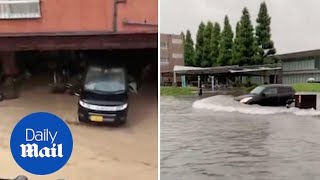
133 87
263 94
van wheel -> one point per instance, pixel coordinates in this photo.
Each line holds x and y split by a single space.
289 103
81 120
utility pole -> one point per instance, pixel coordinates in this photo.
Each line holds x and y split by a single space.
212 83
199 86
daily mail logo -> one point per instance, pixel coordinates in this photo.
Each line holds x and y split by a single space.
32 150
41 143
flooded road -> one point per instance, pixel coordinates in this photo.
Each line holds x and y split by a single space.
128 152
218 138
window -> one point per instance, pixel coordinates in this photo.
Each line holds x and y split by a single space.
257 90
284 90
19 9
177 41
177 56
163 45
164 60
270 91
101 80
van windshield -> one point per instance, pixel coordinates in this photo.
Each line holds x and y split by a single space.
257 90
105 80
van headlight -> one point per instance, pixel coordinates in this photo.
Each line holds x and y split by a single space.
121 107
103 108
245 100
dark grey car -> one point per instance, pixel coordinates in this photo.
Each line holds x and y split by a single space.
269 95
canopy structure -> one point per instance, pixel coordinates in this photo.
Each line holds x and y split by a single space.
255 70
259 69
198 70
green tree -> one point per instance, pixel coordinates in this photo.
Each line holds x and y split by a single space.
263 34
215 39
183 36
199 45
226 43
246 40
207 35
258 52
236 46
188 49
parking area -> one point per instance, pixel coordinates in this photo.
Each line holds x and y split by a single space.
100 152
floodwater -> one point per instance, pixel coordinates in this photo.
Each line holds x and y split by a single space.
128 152
218 138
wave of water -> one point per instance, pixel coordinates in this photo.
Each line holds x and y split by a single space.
225 103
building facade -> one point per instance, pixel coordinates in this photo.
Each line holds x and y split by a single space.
55 25
35 16
298 67
171 54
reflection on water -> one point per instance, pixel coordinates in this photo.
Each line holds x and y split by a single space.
217 138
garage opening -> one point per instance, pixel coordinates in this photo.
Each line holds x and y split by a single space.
37 68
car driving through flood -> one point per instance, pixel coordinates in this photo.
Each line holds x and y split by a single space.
269 95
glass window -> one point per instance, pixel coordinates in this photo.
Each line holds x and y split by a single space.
270 91
177 41
163 45
257 90
285 89
102 80
177 56
19 9
164 60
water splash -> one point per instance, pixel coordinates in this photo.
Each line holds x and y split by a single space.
224 103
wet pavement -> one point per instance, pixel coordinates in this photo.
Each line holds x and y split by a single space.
218 138
100 152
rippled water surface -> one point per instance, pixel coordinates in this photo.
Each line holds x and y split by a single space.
218 138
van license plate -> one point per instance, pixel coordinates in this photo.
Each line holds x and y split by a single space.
96 118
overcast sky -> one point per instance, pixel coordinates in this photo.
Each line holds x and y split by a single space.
295 24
